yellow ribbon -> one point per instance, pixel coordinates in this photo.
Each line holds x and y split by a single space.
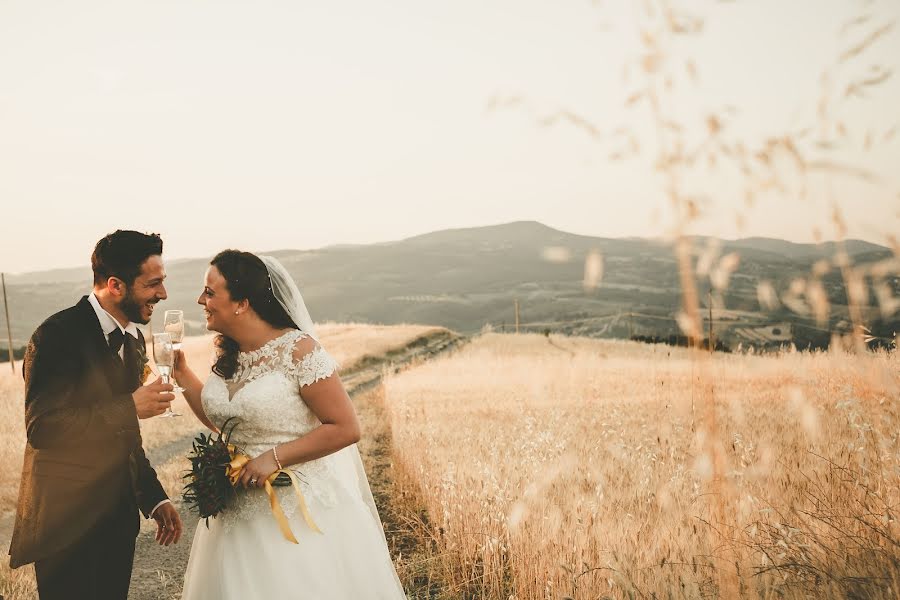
236 467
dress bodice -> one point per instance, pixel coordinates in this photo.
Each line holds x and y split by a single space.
265 396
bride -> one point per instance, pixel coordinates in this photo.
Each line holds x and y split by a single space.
293 412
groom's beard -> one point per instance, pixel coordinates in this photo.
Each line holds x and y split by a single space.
132 309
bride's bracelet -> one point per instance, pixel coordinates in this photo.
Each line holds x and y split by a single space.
275 454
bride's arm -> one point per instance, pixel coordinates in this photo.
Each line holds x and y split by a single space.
188 380
328 399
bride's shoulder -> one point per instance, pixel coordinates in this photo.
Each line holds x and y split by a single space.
309 360
302 344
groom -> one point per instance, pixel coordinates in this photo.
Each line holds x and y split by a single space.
85 474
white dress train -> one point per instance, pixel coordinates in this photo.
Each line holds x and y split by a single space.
243 554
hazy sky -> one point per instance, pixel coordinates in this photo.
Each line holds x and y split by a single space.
290 124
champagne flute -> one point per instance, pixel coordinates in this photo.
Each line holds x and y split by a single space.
173 322
164 357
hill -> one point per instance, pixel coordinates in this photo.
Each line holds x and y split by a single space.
466 278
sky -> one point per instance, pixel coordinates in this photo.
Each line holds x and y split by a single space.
275 124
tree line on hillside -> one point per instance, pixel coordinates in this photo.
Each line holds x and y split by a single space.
806 334
680 340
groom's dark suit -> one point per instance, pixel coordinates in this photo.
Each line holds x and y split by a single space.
85 474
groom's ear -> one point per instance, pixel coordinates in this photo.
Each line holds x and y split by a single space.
116 287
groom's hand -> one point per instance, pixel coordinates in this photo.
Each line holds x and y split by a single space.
168 524
153 399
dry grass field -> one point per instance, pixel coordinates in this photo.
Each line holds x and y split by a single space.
574 468
531 467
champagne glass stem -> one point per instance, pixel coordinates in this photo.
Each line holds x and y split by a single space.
169 412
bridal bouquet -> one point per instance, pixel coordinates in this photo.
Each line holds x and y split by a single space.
216 466
210 487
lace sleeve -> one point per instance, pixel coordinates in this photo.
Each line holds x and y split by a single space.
310 362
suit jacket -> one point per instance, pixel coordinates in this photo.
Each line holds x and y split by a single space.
84 455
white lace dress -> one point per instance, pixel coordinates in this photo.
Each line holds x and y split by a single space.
243 554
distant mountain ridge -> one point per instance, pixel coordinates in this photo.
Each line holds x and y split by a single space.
466 278
794 249
513 230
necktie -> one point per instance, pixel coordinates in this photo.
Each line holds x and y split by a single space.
129 354
116 339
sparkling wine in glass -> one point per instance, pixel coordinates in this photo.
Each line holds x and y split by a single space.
173 323
164 357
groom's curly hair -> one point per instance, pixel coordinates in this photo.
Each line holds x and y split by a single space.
246 278
121 253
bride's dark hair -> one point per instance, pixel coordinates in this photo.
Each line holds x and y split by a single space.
246 278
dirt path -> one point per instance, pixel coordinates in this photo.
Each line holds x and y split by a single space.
158 572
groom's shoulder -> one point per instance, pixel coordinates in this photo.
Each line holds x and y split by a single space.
61 321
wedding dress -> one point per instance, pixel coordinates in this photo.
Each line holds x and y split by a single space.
242 554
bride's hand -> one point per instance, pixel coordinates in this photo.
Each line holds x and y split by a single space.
258 470
181 366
